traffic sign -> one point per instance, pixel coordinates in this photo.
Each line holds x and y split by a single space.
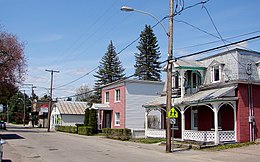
173 121
173 113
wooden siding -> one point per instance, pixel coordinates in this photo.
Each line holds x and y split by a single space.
137 94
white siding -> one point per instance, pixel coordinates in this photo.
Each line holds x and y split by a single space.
230 69
235 64
137 94
72 119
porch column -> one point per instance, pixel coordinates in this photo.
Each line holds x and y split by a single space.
145 123
235 119
182 83
182 123
215 109
98 119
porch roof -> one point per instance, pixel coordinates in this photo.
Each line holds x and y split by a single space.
210 95
99 106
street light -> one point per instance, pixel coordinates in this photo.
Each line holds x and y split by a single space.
130 9
169 66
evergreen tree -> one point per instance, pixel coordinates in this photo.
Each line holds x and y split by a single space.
109 70
147 65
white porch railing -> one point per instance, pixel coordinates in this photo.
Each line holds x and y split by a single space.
208 136
227 136
155 133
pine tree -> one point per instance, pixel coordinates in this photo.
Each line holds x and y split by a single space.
147 65
109 70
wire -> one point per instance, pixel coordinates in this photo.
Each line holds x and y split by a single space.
219 47
136 40
97 88
221 39
257 31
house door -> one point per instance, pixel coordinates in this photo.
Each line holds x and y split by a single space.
107 119
194 119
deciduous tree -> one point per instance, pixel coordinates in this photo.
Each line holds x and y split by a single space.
12 64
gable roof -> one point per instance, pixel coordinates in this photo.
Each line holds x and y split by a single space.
239 50
125 81
71 107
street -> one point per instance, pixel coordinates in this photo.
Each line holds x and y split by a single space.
36 144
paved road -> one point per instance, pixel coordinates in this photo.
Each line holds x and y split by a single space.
35 145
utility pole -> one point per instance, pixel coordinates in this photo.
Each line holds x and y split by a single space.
23 107
169 78
50 99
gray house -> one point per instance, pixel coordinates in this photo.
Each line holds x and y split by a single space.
68 113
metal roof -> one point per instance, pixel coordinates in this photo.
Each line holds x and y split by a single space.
201 96
71 107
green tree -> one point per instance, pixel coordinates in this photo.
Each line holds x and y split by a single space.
147 66
16 108
109 70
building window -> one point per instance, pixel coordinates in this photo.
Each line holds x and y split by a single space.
117 95
106 97
117 119
216 73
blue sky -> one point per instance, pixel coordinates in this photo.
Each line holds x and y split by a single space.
72 36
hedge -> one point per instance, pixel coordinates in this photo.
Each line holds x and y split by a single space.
67 129
85 130
121 134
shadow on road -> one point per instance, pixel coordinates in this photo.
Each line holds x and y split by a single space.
6 160
10 136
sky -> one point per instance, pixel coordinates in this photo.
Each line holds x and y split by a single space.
71 36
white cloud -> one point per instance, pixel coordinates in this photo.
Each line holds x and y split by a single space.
47 38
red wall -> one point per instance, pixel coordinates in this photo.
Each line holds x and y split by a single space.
188 119
204 118
242 113
177 133
227 117
256 104
116 106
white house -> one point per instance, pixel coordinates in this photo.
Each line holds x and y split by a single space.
122 103
68 113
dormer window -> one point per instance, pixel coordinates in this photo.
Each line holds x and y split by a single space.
216 73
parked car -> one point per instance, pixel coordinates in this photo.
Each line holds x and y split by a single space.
2 125
1 148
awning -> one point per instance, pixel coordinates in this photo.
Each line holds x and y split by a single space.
98 106
217 94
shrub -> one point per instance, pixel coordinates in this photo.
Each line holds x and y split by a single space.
121 134
67 129
86 117
85 130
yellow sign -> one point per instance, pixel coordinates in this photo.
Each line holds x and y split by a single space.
173 113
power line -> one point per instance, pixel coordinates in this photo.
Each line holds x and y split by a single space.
233 37
131 43
215 27
219 47
218 37
97 88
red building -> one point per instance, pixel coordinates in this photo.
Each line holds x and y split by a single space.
217 98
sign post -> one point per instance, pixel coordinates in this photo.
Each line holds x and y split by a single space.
173 115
